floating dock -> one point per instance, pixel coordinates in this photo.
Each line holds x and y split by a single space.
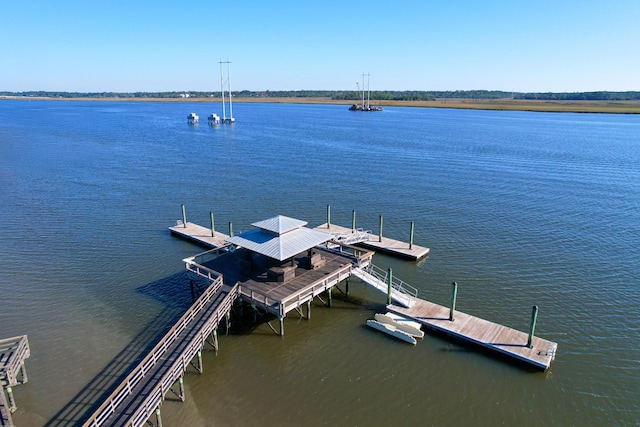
380 244
198 234
489 335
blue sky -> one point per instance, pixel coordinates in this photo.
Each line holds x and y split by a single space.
128 46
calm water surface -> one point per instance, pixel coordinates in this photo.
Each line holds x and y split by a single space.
519 208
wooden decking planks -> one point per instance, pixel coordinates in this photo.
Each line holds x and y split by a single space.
199 234
13 352
307 282
386 244
5 412
145 387
492 336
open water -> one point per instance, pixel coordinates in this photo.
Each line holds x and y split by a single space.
519 208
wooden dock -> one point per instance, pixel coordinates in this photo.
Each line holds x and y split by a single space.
141 393
13 352
199 235
384 244
276 297
492 336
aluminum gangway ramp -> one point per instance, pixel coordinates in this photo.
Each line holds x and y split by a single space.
139 396
401 292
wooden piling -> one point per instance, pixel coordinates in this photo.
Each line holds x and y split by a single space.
534 317
230 229
453 301
411 237
353 221
184 217
389 286
328 216
213 228
380 233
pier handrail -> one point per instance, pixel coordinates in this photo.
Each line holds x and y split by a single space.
361 256
20 347
157 395
397 284
308 293
125 388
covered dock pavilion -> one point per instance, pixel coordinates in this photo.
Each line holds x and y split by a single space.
280 265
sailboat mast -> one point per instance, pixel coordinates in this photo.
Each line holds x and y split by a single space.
229 86
363 91
368 91
224 117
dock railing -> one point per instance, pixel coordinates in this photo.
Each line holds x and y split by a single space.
397 284
109 406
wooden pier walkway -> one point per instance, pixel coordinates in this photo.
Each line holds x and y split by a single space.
386 245
13 352
489 335
199 234
139 396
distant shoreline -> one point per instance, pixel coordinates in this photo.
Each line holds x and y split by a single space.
610 107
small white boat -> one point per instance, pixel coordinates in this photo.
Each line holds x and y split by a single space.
401 323
391 330
214 119
193 118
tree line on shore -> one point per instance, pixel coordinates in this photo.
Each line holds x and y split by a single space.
378 95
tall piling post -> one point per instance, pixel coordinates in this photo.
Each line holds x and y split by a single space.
534 317
213 225
184 217
380 234
411 236
158 417
453 301
12 400
328 216
389 285
23 372
230 229
181 382
353 221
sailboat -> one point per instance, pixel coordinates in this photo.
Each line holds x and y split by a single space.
363 106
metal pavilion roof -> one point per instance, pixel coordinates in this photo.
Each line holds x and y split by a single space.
280 237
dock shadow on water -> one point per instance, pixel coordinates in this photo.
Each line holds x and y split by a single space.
175 295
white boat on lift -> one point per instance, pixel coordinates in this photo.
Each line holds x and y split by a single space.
193 118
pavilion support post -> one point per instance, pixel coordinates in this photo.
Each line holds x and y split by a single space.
454 294
200 367
353 221
213 225
380 234
12 400
328 216
411 236
184 217
181 383
389 285
534 317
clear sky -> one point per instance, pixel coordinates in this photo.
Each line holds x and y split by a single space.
161 45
